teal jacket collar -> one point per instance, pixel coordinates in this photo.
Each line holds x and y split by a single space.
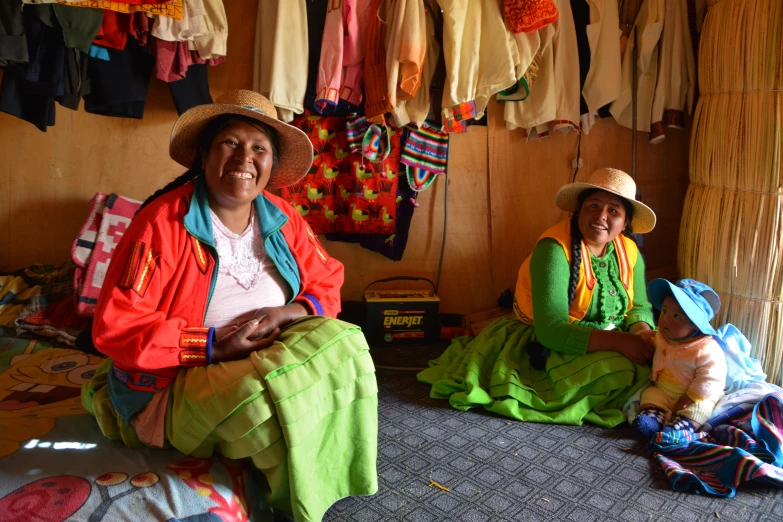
199 222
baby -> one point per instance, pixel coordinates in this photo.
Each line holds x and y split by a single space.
689 367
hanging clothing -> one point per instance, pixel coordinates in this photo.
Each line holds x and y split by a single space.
648 25
28 92
416 110
13 44
376 85
119 86
540 106
76 83
79 26
114 30
603 82
529 15
566 71
193 23
170 8
479 59
406 44
344 192
391 246
676 85
281 55
340 72
192 90
526 48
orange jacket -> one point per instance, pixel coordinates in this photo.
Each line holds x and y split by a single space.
625 249
150 313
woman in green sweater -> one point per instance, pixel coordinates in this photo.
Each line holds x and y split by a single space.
576 347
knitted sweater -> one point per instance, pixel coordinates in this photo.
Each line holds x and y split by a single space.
608 309
699 364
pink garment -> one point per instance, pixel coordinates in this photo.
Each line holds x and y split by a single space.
150 423
172 59
247 278
341 68
697 364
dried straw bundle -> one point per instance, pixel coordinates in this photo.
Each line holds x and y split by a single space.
732 229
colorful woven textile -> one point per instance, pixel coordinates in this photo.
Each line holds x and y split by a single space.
419 179
110 224
345 192
529 15
426 148
749 449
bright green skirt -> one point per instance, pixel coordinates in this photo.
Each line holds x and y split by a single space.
304 411
493 371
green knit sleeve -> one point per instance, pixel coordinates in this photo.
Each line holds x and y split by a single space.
549 271
641 309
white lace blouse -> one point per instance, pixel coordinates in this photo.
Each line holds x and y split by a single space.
247 278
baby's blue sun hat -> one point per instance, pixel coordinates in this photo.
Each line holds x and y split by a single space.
699 302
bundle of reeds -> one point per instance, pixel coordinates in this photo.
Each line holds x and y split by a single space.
732 227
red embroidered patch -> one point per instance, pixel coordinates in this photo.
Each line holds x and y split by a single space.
139 268
193 358
322 253
193 338
202 258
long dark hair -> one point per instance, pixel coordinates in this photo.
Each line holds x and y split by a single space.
576 239
205 139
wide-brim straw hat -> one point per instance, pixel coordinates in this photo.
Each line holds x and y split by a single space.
616 182
295 154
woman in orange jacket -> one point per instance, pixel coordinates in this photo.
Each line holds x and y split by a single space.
217 315
569 354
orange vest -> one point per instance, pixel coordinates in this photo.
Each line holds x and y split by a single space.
624 248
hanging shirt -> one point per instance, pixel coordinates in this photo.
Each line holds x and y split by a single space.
192 24
648 25
281 55
247 278
538 108
676 85
406 44
416 110
13 44
604 78
340 71
566 70
479 58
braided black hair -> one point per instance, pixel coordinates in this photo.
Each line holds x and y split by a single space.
576 239
205 139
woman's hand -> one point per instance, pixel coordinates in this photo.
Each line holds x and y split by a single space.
638 348
639 328
241 342
263 329
276 317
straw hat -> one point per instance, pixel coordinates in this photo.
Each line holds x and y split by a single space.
296 151
611 180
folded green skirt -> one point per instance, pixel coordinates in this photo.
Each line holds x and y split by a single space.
493 371
305 411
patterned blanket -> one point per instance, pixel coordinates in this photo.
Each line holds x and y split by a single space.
745 450
55 464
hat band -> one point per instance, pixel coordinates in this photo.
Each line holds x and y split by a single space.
255 109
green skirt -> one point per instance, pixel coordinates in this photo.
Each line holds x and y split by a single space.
493 371
305 412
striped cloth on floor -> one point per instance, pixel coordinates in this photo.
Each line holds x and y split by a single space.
747 450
